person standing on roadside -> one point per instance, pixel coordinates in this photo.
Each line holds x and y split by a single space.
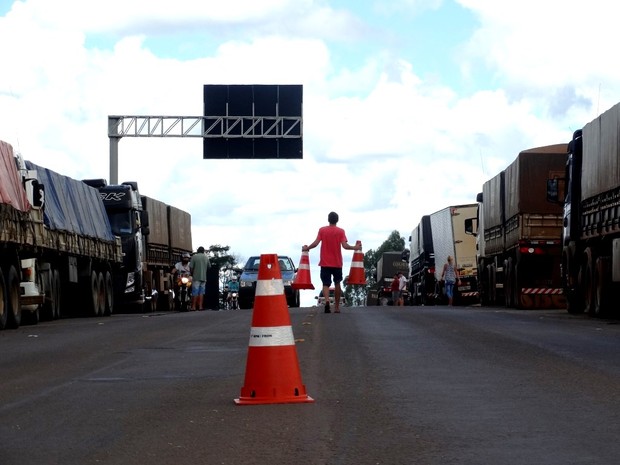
402 288
332 239
395 292
199 264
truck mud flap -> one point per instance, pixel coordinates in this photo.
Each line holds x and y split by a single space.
541 298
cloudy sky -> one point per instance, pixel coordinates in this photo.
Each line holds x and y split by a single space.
409 105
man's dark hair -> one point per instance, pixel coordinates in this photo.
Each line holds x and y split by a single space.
332 218
201 249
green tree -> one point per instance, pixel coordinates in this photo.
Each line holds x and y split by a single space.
356 295
226 263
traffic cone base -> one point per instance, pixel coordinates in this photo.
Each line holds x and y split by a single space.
272 373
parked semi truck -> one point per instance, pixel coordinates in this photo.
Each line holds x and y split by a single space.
519 231
58 254
388 265
422 281
591 233
154 235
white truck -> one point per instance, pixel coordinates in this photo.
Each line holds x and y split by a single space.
450 239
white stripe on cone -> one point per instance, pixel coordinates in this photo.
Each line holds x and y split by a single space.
271 336
268 287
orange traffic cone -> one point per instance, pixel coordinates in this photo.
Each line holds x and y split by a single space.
302 278
272 370
357 274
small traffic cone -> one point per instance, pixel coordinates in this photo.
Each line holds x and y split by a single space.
272 370
302 278
357 274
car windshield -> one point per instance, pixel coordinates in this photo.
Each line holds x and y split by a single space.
254 262
120 222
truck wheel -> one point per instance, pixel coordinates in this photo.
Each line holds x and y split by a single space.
509 283
4 311
101 298
108 287
587 281
56 294
92 295
14 317
601 286
574 302
492 289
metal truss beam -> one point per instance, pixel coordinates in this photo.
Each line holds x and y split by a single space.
205 126
229 127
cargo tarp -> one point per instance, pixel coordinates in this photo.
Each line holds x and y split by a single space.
11 189
72 206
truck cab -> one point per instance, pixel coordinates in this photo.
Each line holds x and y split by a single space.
130 222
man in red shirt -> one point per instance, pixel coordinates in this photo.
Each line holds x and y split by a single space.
332 239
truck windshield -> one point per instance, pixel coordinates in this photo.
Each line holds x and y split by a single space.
121 223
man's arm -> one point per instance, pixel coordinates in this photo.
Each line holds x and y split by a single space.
347 246
316 242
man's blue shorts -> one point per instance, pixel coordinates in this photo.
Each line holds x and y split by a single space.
198 287
326 275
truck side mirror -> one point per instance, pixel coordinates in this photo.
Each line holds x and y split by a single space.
144 219
38 194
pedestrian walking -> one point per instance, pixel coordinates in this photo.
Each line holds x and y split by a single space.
450 276
199 264
332 239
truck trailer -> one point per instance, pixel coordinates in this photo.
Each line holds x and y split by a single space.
591 233
58 253
519 233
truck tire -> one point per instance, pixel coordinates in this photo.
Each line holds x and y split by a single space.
92 295
108 287
4 306
587 282
57 294
51 307
509 284
574 301
14 317
601 289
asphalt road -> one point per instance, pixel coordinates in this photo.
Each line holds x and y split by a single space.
412 385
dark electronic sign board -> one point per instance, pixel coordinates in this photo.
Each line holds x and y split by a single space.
253 121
